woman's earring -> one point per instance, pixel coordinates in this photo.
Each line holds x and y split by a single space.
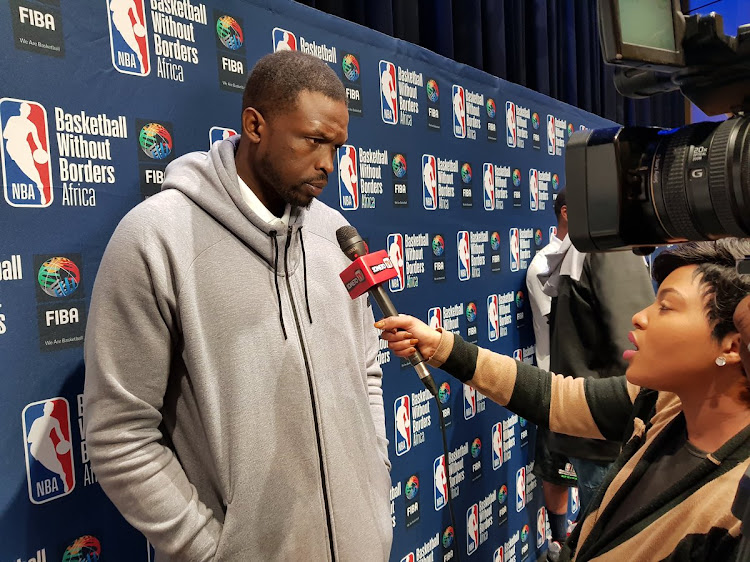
721 361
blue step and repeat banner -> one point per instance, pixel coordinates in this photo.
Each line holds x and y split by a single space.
453 171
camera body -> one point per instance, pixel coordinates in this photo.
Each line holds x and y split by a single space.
641 187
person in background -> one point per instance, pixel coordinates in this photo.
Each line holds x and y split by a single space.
681 412
218 420
594 296
555 470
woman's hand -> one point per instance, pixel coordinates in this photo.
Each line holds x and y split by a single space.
742 323
415 335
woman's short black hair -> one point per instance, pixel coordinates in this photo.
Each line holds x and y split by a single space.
717 266
277 79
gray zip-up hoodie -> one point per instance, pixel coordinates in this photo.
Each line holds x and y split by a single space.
214 434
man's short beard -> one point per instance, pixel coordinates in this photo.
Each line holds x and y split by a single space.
273 184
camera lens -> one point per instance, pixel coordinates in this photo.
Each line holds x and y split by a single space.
700 180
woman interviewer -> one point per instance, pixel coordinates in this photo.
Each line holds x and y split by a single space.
682 411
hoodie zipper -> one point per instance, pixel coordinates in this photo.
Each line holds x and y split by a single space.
312 396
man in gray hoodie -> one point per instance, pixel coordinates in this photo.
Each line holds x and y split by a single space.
219 420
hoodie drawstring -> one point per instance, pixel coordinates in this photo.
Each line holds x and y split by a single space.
304 270
276 279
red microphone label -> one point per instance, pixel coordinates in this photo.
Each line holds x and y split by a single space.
366 272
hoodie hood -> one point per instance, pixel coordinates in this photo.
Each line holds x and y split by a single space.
209 179
565 261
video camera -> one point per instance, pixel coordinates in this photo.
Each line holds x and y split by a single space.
641 187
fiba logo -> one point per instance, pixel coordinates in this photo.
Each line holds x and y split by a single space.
493 318
348 182
533 189
350 67
395 245
498 555
520 488
388 94
488 181
59 277
48 451
491 108
27 173
398 164
155 141
535 120
515 249
464 257
283 40
128 36
438 245
538 238
216 134
472 529
495 241
459 112
470 402
541 527
466 172
570 129
497 445
448 537
412 487
555 182
471 312
402 415
525 532
86 548
476 447
444 393
229 32
441 482
510 124
551 135
552 232
435 318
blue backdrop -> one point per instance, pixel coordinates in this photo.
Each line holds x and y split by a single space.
452 170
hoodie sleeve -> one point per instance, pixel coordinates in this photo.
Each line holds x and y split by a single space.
375 382
130 336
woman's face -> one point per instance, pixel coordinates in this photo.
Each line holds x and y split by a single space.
674 347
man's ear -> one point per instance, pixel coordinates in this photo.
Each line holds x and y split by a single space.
564 212
253 124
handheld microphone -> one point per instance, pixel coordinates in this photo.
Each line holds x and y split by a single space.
367 273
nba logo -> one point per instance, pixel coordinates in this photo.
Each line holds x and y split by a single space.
488 175
517 355
127 37
283 40
402 414
216 134
408 558
348 183
472 529
470 402
550 134
49 456
497 445
395 247
552 232
533 189
574 503
510 123
388 96
429 182
515 252
493 318
459 112
464 258
27 174
498 555
435 318
521 488
441 482
541 527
